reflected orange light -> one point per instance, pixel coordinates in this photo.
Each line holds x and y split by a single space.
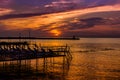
55 32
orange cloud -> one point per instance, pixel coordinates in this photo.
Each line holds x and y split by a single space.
58 23
44 20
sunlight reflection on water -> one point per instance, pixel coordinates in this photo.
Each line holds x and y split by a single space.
93 59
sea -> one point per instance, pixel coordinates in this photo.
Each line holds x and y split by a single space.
92 59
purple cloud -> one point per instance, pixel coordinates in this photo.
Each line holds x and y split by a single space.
41 6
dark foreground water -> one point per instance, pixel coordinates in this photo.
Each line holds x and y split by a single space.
93 59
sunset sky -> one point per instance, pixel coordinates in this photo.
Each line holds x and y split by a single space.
60 18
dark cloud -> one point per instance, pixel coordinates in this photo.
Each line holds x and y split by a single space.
105 14
85 23
41 6
90 22
9 16
76 4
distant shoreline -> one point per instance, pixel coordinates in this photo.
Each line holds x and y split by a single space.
52 38
49 38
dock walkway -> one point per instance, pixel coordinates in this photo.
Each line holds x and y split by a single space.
10 51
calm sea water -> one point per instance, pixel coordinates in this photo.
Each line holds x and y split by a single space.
93 59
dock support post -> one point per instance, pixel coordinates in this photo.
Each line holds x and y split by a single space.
37 61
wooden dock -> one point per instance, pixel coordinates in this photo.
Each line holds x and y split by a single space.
16 60
23 50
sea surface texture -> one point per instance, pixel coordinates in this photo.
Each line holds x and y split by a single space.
92 59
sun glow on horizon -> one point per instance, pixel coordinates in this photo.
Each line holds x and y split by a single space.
56 32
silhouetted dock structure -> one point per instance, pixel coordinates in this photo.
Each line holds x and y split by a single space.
24 50
22 53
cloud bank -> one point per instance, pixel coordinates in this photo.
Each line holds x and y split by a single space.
50 6
94 22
